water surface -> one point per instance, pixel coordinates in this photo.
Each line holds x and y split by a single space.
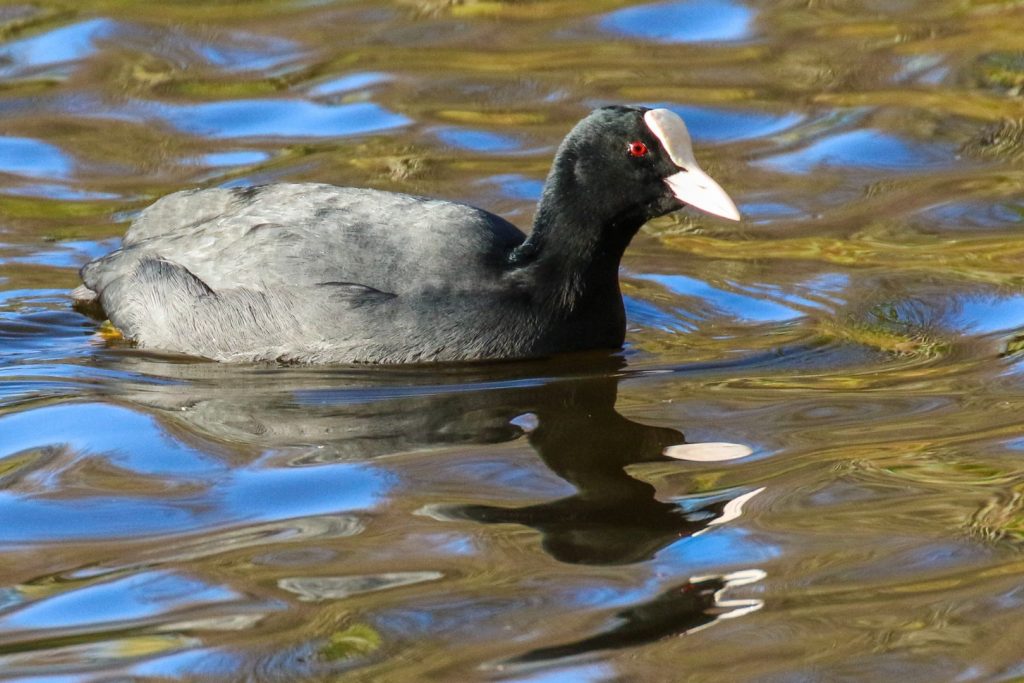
807 463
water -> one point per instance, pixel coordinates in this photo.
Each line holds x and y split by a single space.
855 344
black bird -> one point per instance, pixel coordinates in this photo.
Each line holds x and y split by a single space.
321 274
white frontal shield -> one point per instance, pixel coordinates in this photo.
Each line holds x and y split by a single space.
691 185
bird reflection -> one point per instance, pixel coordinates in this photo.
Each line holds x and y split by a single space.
564 407
612 518
681 609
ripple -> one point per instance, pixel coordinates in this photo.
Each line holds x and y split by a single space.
866 148
736 305
720 545
925 69
248 52
37 322
70 254
198 663
32 158
688 21
171 519
61 46
133 598
728 125
25 300
990 314
46 662
285 531
577 673
477 140
59 192
766 213
68 626
319 588
515 186
278 118
968 215
236 158
681 609
66 378
138 445
11 14
647 314
349 82
245 496
734 508
139 480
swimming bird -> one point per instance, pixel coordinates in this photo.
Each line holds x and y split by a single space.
314 273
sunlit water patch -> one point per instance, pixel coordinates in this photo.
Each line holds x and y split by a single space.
247 52
865 148
726 302
37 324
687 21
477 140
727 125
342 85
286 118
139 597
515 186
33 158
769 212
994 214
55 51
645 313
60 482
97 620
57 192
123 448
236 158
989 314
68 254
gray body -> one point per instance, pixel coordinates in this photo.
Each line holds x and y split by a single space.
311 273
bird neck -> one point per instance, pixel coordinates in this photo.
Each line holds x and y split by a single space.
576 244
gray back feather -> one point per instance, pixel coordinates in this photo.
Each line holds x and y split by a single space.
307 234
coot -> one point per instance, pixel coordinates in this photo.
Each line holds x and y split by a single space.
320 274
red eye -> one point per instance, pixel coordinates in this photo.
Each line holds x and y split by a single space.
637 149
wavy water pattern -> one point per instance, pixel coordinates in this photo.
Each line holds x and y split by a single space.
805 464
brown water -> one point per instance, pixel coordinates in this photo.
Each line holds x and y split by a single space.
860 332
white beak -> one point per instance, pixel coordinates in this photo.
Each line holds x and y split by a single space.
694 187
691 185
